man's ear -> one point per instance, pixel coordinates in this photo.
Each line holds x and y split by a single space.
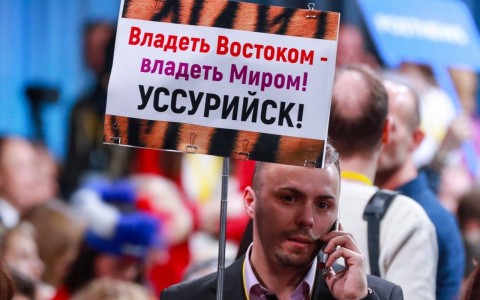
249 201
386 131
417 137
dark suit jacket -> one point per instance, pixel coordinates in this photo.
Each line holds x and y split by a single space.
205 288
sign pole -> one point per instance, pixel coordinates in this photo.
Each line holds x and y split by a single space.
223 223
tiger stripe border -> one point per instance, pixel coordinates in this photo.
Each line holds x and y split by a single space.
222 142
236 15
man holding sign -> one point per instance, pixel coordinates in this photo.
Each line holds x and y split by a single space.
294 210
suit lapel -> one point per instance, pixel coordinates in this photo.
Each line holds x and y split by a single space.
232 282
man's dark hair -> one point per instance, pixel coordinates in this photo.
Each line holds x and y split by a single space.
331 157
358 111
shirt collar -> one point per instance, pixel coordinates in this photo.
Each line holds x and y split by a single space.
254 288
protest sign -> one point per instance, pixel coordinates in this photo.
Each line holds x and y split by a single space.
223 78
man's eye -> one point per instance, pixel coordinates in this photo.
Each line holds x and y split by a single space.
288 198
323 205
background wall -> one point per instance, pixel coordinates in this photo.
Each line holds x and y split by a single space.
41 44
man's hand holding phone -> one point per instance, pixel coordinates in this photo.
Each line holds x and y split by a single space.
350 282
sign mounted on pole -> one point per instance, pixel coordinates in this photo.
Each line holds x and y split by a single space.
223 78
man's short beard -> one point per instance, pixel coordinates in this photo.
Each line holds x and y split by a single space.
284 259
312 235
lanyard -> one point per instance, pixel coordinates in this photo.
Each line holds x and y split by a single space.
247 294
356 176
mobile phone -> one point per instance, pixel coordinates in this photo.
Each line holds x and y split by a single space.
323 257
336 225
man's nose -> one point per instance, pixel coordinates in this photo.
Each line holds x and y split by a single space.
305 216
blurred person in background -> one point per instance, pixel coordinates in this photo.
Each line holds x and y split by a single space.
18 179
27 179
58 231
59 234
397 171
437 109
96 37
20 252
359 128
113 289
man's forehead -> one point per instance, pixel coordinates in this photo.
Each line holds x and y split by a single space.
321 182
279 169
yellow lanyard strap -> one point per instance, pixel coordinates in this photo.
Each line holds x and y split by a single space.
357 177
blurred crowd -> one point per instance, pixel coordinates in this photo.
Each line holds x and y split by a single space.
114 222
